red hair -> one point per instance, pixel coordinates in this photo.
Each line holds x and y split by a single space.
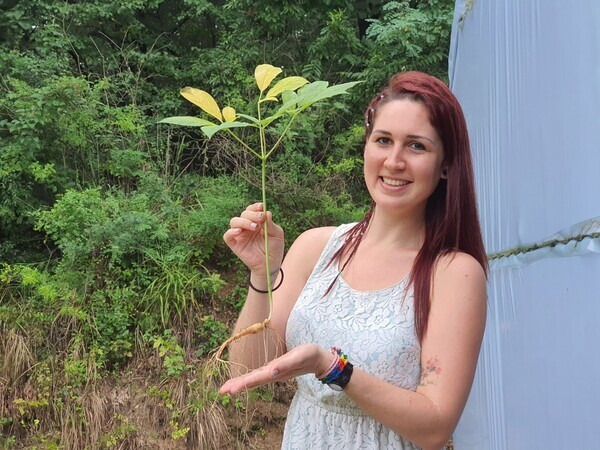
451 219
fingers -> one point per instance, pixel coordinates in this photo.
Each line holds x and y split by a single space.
274 229
248 381
251 220
253 216
297 362
244 223
254 213
277 370
256 207
230 235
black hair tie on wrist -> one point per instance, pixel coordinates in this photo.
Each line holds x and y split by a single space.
260 291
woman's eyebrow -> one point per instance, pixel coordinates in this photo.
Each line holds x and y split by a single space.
382 132
416 136
411 136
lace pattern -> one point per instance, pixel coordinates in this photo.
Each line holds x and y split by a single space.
376 330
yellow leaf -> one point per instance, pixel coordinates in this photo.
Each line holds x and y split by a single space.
228 114
202 99
287 84
264 74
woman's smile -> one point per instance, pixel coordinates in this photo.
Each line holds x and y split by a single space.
394 182
403 158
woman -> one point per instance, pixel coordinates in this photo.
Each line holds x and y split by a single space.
401 293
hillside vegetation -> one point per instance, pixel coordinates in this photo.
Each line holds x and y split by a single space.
114 281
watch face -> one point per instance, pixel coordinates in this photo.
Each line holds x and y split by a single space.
335 387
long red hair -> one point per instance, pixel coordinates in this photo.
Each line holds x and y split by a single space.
451 219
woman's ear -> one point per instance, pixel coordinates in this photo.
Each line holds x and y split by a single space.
444 175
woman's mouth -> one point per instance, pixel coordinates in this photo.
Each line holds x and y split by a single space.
394 182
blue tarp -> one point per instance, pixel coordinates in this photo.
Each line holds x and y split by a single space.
527 74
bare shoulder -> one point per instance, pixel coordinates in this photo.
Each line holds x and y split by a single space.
459 273
459 264
307 247
315 237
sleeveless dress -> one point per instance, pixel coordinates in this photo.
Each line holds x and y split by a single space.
376 330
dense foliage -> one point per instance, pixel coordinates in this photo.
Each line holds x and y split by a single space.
111 225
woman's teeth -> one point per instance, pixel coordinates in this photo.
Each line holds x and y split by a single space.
393 182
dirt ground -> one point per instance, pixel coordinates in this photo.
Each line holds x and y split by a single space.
267 419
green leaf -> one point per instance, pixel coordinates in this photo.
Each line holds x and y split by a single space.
290 100
187 121
289 96
267 120
287 84
311 90
210 131
254 120
319 93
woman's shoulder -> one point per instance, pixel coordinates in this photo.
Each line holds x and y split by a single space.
457 261
458 272
315 238
308 247
318 237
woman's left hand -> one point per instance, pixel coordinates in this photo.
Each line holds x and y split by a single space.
306 358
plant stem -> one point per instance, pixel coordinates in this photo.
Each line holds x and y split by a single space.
266 229
244 144
287 127
263 167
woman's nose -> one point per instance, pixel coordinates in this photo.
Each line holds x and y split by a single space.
396 159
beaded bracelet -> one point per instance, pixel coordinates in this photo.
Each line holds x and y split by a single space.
331 366
336 368
260 291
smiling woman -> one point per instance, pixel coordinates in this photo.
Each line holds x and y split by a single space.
399 297
403 158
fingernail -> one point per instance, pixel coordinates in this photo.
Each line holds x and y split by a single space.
275 373
260 215
235 230
253 226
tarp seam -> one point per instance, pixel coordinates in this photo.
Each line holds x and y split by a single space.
546 244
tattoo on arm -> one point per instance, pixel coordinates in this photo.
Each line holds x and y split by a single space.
430 372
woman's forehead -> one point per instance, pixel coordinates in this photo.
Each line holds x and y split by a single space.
403 113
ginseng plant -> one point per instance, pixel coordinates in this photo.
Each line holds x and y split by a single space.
296 95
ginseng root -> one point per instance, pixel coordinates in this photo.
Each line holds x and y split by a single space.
252 329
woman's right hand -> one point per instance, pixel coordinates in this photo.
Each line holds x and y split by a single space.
245 238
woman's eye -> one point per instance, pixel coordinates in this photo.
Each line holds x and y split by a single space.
383 140
417 146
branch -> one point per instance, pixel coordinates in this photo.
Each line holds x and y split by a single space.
244 144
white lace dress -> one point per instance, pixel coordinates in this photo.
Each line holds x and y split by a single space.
376 330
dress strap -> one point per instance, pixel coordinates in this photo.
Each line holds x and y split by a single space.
335 242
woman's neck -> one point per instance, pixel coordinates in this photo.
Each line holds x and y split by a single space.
394 230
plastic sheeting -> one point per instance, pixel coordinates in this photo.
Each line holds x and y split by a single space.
527 74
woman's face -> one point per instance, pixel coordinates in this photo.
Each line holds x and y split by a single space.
404 158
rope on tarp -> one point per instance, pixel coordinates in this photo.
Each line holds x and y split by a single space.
568 238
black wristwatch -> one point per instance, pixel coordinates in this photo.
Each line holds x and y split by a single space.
342 380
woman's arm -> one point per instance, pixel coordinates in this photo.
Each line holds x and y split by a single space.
247 242
449 354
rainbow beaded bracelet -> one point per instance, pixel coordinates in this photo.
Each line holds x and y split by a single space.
339 372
